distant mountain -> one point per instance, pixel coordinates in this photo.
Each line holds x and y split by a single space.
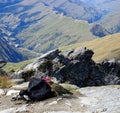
111 22
111 19
107 47
103 12
108 5
9 53
76 9
42 25
37 26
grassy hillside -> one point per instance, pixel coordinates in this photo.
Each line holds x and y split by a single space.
104 48
10 67
111 22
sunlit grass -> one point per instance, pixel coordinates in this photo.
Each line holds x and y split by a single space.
5 82
104 48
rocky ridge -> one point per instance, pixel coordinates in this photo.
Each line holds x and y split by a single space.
83 71
74 66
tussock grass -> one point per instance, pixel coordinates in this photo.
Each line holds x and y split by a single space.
5 82
107 47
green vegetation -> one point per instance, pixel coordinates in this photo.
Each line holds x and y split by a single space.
10 67
28 74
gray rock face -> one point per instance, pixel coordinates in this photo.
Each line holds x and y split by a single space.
82 53
111 68
76 67
49 55
2 63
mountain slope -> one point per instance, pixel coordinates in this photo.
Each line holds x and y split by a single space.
111 22
111 19
104 48
42 25
37 26
9 53
93 11
76 9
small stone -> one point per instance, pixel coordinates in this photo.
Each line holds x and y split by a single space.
20 86
17 81
2 92
12 92
52 103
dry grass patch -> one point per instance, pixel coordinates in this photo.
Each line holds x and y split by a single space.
5 82
107 47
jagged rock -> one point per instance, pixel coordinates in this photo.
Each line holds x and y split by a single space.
61 74
68 53
2 73
50 55
112 79
75 67
82 53
111 68
2 63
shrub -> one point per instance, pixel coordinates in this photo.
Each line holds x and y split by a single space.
45 65
26 75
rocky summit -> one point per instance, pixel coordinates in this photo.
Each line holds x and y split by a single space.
74 67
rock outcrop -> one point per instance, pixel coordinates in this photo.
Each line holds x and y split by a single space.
74 66
2 63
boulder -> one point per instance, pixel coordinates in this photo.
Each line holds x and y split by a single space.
49 55
2 73
2 92
12 93
61 74
67 53
82 54
111 68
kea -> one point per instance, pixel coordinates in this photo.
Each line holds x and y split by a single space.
58 89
